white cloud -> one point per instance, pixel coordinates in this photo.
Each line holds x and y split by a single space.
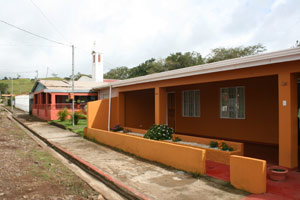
130 31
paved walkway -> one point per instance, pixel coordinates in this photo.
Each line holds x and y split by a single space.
150 179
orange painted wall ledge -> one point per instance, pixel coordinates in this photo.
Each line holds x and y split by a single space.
248 174
178 156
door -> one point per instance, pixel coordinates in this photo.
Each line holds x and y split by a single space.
171 110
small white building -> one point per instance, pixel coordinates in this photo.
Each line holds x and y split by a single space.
22 102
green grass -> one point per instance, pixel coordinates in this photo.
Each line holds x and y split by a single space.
20 86
52 78
79 128
23 85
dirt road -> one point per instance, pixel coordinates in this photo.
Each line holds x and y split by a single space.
29 172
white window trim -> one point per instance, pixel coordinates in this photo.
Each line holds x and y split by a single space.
221 102
194 103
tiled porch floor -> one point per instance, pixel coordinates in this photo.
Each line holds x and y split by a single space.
288 189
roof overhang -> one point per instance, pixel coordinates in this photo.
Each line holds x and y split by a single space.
35 85
67 91
226 65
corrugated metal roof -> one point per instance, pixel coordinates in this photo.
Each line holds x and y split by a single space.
64 85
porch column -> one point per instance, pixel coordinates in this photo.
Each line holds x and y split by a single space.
160 105
288 132
46 104
40 99
39 102
121 108
52 101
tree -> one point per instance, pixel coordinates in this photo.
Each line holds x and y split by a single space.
3 87
222 53
5 78
157 66
141 69
118 73
179 60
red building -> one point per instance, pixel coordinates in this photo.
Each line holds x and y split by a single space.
50 96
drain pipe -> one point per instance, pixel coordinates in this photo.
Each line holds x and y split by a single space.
109 108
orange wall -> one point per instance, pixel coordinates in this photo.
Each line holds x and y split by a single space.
139 109
98 113
261 101
248 174
178 156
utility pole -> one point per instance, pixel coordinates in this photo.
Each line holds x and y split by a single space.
37 74
47 72
73 85
11 95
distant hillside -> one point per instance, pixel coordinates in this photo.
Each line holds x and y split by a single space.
23 85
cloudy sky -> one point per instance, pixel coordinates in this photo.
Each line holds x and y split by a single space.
129 32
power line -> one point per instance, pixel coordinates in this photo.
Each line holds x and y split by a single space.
6 72
36 35
49 21
29 45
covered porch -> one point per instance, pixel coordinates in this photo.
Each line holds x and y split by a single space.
259 111
46 105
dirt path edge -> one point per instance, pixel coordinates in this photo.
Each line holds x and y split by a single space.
106 179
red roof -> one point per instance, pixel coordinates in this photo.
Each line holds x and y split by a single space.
109 80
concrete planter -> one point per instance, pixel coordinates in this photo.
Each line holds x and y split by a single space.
214 155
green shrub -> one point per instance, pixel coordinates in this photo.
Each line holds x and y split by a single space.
223 146
77 116
213 144
220 145
9 102
159 132
116 128
82 116
63 114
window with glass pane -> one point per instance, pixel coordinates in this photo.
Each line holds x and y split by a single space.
191 103
232 102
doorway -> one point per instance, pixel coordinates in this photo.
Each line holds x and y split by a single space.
171 110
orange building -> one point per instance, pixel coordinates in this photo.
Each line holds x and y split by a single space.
252 99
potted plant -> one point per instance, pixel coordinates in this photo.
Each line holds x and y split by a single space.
277 173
